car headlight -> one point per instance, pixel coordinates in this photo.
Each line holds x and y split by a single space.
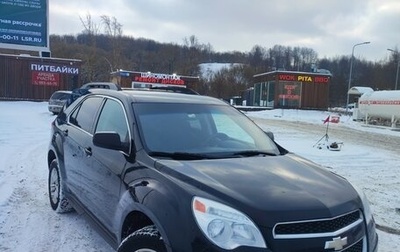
225 226
367 209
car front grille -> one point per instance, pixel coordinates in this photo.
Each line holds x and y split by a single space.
322 232
317 226
358 247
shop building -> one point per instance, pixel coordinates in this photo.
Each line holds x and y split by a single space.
25 77
289 89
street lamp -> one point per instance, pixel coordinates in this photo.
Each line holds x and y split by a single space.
398 66
351 70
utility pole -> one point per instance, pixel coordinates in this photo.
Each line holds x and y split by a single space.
351 70
398 66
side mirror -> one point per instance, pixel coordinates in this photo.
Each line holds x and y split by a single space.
61 117
270 135
108 140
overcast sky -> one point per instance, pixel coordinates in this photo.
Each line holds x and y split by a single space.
330 27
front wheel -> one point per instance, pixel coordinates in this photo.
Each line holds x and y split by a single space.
147 239
58 201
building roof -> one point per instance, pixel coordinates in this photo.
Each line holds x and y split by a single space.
292 72
359 90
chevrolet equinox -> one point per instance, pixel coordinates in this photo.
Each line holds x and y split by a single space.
162 171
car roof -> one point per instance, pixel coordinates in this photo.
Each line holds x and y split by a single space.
160 96
63 91
60 93
106 85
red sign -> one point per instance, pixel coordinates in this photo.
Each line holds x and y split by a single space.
289 97
156 78
321 79
45 79
290 93
381 102
287 77
303 78
290 87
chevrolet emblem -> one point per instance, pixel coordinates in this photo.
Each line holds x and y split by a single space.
337 243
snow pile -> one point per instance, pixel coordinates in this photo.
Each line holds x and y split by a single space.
208 70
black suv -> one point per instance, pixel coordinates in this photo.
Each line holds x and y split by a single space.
162 171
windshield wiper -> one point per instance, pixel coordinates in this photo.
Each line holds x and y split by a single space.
250 153
196 156
180 155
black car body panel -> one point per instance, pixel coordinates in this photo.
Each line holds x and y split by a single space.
134 182
314 191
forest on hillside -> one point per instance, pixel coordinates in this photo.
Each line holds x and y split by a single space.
103 48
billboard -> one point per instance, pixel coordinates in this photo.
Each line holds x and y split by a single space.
24 25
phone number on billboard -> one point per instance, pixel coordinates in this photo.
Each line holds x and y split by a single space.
9 37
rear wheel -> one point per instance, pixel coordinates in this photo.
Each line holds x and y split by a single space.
58 201
147 239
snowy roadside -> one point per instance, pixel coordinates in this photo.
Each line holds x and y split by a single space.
27 223
369 159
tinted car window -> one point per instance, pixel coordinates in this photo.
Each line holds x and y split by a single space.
198 129
99 86
112 118
60 96
226 125
84 115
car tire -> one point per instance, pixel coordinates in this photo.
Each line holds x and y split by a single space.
147 239
58 201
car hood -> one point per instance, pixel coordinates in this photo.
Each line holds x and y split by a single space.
269 189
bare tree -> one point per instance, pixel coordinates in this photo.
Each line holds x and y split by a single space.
192 49
257 56
113 30
90 27
277 54
91 30
308 57
112 27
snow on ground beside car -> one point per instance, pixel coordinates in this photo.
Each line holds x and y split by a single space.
366 164
27 222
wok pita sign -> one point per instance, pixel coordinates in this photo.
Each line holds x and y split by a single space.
303 78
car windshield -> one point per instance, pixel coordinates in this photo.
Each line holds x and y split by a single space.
209 131
60 96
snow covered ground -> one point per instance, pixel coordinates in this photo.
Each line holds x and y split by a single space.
369 158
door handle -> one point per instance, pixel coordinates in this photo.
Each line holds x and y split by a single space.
88 151
65 132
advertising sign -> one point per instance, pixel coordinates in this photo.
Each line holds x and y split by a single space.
49 74
156 78
45 79
24 25
303 78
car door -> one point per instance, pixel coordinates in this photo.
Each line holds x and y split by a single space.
107 165
77 136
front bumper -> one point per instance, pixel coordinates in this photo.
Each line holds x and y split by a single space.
312 236
55 108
